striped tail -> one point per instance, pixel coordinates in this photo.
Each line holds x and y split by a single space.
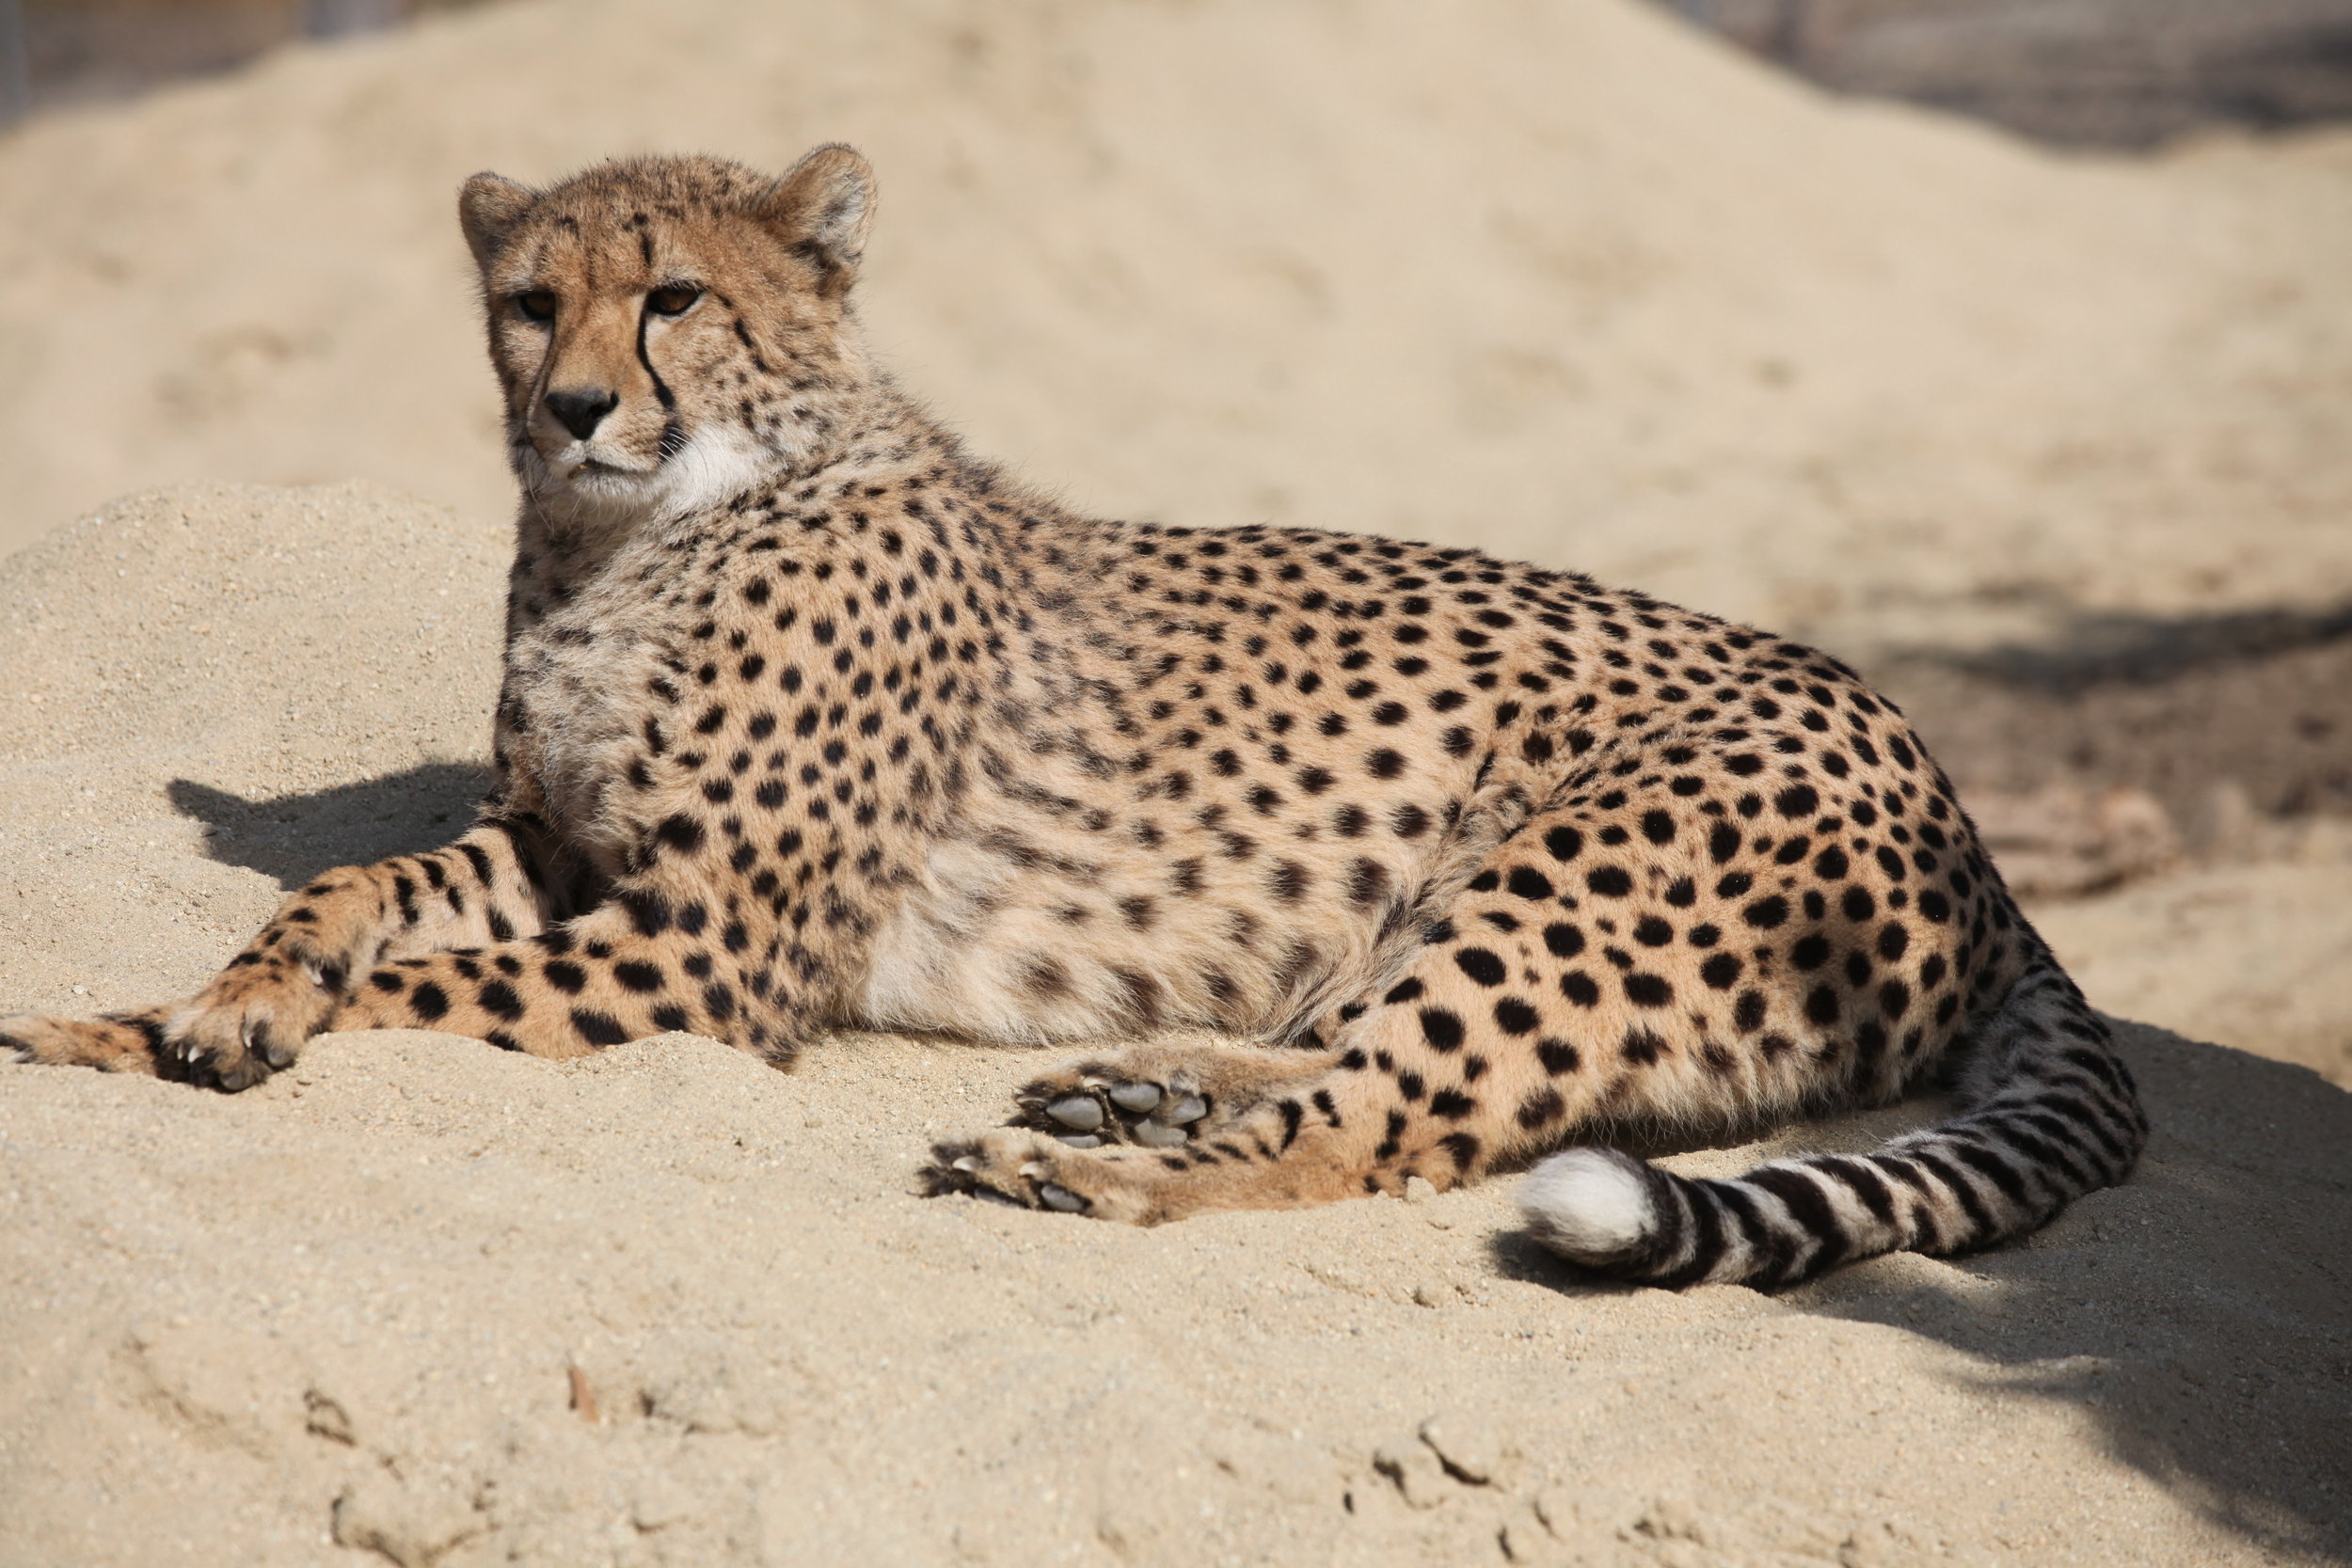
2052 1115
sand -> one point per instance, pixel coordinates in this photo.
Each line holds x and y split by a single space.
1567 282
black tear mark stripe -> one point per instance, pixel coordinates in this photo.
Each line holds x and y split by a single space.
661 392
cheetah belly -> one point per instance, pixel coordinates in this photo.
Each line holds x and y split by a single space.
974 950
998 941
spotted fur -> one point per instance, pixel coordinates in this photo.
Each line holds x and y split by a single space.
810 718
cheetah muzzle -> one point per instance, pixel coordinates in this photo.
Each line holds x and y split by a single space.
809 720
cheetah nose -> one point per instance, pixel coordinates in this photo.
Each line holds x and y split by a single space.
581 412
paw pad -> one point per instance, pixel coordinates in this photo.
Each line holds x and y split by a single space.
1155 1116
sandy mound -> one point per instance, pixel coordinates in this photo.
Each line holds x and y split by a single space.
1570 281
422 1299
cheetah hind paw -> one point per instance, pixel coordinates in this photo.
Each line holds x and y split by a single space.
1094 1103
1163 1093
1037 1170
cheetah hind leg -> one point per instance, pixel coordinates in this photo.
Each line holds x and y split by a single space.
117 1042
1162 1095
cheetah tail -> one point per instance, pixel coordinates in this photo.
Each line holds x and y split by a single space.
2052 1115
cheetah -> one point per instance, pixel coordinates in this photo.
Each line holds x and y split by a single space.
810 720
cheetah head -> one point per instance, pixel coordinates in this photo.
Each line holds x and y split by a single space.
669 332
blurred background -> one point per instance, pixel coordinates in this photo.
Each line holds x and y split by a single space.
2002 346
2121 73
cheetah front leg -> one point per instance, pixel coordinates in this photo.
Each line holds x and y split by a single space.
113 1043
488 886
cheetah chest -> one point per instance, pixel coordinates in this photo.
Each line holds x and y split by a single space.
591 707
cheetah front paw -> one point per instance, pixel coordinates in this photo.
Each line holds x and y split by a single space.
248 1023
122 1042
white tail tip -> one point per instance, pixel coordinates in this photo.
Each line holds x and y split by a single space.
1591 1205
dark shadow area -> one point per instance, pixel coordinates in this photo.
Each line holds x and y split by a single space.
2126 74
59 53
2200 1317
2253 705
295 837
2141 650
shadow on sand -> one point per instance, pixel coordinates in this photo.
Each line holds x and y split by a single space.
295 837
2200 1317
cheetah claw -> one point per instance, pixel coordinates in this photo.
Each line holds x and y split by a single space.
995 1169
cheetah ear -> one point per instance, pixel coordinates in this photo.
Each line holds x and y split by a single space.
822 210
488 208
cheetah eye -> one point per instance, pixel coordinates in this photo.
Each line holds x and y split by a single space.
539 305
676 300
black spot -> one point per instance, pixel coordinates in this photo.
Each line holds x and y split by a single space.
1453 1104
569 978
1480 965
1648 990
1528 882
1658 826
1557 1057
638 978
1820 1005
1610 881
1936 906
1577 987
1566 844
428 1001
1541 1108
598 1028
1765 914
1514 1017
680 833
1748 1012
1564 941
1653 932
1797 800
1811 952
1830 865
1721 970
1441 1029
1403 990
1642 1047
1894 999
499 999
